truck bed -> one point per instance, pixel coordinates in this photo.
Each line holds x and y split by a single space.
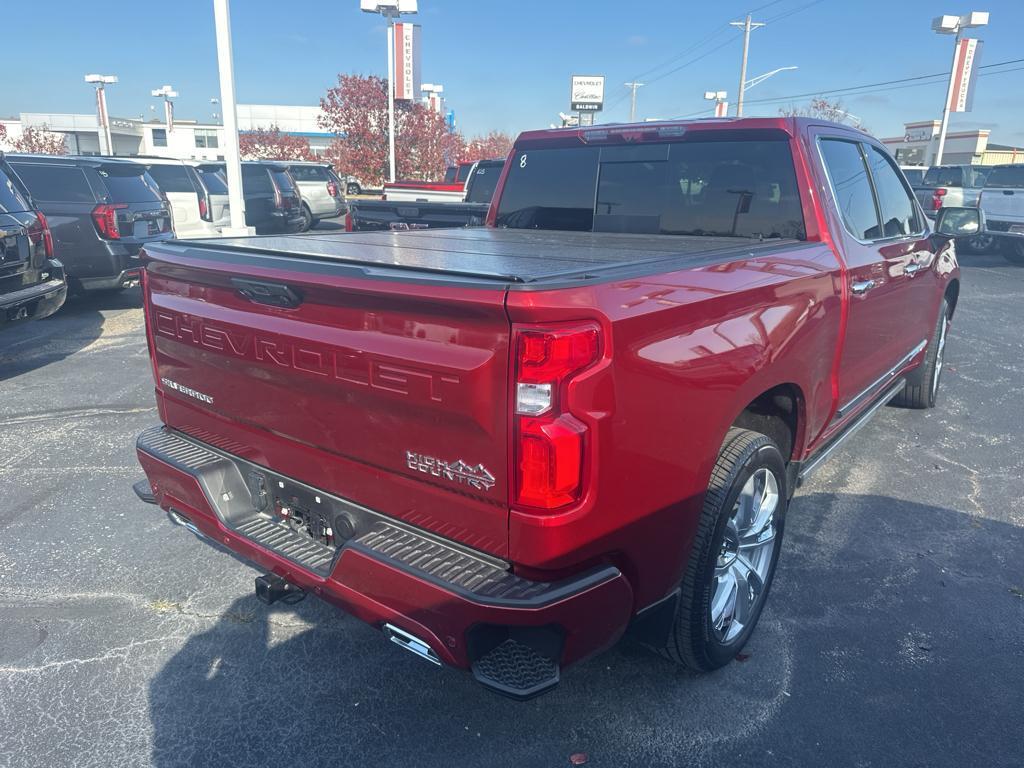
508 257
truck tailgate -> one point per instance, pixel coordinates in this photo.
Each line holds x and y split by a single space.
393 392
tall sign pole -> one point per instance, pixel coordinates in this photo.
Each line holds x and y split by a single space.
963 71
746 26
232 160
390 16
103 119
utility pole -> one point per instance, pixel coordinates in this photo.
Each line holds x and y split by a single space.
746 26
632 101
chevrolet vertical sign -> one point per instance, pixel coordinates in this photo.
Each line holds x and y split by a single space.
407 61
965 72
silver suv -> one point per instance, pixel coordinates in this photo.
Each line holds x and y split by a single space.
323 193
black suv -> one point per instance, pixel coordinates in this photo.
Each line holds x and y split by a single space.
272 199
31 281
101 210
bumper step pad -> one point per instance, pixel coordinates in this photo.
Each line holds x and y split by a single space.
516 670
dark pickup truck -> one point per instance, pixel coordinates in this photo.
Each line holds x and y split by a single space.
371 215
506 446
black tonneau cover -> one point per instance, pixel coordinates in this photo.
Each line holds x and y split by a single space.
509 256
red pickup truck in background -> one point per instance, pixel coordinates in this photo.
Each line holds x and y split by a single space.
506 446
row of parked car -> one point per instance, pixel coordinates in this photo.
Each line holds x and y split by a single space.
78 222
998 190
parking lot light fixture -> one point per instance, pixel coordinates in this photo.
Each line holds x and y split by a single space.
100 81
953 25
167 93
390 10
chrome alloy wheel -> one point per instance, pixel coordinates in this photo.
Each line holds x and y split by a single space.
745 557
943 326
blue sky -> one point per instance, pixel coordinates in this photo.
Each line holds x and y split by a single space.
506 65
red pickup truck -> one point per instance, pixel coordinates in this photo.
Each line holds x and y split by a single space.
506 446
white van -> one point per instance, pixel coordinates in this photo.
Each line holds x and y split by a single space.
198 197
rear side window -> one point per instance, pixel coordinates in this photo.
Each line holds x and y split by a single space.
309 173
899 214
171 178
256 180
944 176
129 184
1007 177
11 197
848 174
55 183
212 180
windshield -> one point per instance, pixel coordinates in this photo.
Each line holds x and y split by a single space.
129 183
11 196
706 186
1007 177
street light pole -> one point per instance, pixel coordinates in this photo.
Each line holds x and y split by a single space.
101 109
232 160
746 26
632 99
954 25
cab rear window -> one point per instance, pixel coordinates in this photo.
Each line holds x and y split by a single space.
709 186
1009 177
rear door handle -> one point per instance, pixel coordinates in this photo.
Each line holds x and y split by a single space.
863 286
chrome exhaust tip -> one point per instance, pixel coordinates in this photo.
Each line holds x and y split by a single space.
411 643
179 519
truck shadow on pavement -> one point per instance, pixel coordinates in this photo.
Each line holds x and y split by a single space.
886 629
78 324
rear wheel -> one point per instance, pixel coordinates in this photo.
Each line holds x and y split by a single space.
353 189
922 387
734 554
1013 250
307 219
981 243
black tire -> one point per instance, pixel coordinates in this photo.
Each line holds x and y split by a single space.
1013 250
922 387
307 219
693 640
353 189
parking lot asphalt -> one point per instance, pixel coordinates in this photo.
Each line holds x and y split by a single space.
894 634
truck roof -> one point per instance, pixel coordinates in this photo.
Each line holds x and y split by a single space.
485 255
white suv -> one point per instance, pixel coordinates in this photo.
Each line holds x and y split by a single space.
198 197
323 194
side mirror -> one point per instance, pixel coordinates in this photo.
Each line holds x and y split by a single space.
960 222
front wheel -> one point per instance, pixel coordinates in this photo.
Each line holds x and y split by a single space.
353 189
922 387
734 553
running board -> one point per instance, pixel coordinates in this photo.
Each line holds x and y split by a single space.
823 455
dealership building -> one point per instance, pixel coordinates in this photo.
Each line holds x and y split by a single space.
920 141
185 139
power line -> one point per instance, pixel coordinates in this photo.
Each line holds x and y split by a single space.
893 85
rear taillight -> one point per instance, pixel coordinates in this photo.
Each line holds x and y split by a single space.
550 442
348 222
205 210
146 314
332 189
104 216
937 195
39 233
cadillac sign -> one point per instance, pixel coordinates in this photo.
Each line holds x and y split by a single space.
586 93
